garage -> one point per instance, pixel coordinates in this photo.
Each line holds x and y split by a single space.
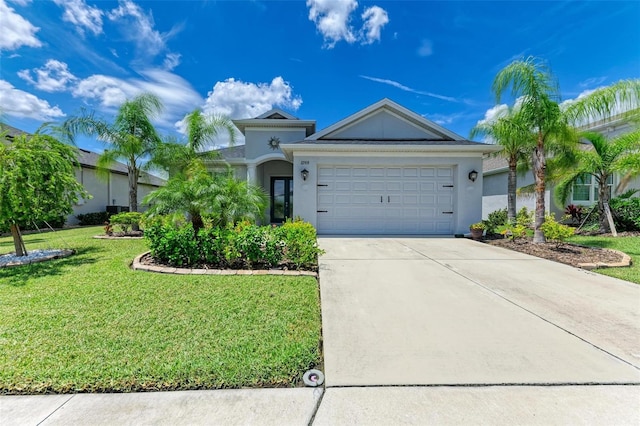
387 170
385 200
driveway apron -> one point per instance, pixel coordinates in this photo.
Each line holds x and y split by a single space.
444 311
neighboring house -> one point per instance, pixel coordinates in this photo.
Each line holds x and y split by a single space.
585 192
110 192
382 170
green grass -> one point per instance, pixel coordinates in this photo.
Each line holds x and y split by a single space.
88 323
628 245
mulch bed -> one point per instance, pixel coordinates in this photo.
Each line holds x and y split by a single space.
570 254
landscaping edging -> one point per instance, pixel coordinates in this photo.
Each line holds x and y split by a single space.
625 262
139 266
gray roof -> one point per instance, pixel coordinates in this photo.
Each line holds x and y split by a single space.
232 152
11 132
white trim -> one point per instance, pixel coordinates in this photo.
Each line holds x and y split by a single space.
392 107
371 150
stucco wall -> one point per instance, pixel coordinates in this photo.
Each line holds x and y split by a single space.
256 140
467 203
104 191
383 125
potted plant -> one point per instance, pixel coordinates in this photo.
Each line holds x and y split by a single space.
477 229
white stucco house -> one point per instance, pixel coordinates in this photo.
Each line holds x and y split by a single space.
585 193
383 170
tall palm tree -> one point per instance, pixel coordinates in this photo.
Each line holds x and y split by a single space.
620 154
511 132
619 99
131 137
537 91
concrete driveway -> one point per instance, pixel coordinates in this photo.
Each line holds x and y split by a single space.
454 312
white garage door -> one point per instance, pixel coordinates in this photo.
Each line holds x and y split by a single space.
385 200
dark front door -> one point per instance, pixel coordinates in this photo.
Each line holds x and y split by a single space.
281 198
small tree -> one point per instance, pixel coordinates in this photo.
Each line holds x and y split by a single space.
37 182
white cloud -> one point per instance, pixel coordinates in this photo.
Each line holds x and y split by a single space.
16 31
374 19
409 89
54 76
593 81
21 104
238 99
111 92
171 61
333 21
81 15
426 48
21 2
139 27
176 94
494 113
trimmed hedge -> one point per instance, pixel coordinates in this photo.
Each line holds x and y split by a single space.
243 246
626 213
96 218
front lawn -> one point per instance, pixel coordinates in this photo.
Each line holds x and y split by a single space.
628 245
88 323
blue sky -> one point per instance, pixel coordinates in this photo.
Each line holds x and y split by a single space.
316 59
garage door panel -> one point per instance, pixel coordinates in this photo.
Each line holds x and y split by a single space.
379 200
377 186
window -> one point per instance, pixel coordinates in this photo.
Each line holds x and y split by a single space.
585 189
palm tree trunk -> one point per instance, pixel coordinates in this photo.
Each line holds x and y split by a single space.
512 184
133 189
539 165
603 197
18 242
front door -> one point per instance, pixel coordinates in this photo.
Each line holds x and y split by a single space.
281 198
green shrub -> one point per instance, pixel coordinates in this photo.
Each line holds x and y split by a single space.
513 231
96 218
495 220
301 242
126 220
626 213
173 244
524 217
556 232
244 245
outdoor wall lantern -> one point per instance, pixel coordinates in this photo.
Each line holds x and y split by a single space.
304 173
473 175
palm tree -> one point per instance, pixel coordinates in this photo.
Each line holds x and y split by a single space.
537 91
176 157
237 200
619 99
512 133
620 154
131 137
224 197
191 195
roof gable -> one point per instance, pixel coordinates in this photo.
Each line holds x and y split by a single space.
385 120
277 114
